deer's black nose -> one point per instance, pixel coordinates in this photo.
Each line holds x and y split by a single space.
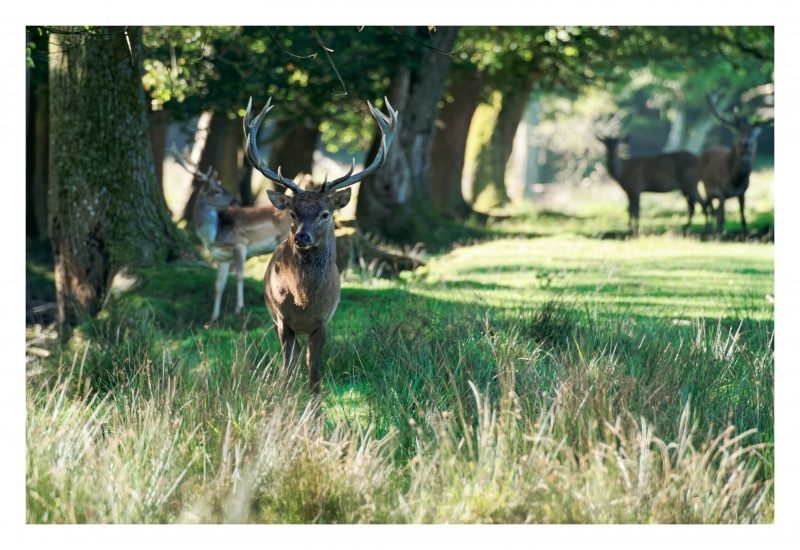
303 240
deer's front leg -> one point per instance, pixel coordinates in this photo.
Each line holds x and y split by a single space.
315 343
290 347
720 217
222 276
239 256
741 213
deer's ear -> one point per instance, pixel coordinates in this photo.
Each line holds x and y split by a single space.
281 201
341 198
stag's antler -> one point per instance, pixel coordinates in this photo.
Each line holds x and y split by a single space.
738 123
251 133
191 167
614 127
734 122
387 125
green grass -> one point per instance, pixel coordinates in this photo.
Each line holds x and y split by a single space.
543 374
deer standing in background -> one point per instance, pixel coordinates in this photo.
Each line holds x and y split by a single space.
678 171
301 285
232 233
725 171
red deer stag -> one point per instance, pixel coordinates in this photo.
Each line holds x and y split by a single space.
677 171
725 171
232 233
301 285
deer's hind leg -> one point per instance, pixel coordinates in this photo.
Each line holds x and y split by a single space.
633 213
741 212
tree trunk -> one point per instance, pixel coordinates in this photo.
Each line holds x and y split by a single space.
488 187
246 185
218 145
294 152
37 153
198 149
224 151
157 125
106 209
449 145
396 203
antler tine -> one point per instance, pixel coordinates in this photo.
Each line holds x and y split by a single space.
328 186
191 167
387 126
251 134
181 159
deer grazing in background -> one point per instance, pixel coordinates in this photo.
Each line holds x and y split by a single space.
725 171
232 233
678 171
301 285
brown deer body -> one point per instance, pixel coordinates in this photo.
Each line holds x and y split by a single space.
664 173
725 171
301 285
232 233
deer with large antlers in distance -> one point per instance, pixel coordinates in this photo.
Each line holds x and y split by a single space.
725 171
676 171
301 285
232 233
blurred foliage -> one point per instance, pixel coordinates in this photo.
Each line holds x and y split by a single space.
657 81
325 73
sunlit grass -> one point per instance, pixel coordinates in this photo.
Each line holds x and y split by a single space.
544 375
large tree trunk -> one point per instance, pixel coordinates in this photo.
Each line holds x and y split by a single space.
396 203
36 156
449 144
488 186
106 209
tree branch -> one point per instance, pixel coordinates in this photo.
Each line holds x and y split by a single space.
327 54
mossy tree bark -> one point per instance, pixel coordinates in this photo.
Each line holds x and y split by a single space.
396 203
488 185
106 208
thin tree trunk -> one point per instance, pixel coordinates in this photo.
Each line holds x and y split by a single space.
449 145
157 125
37 153
198 148
106 209
396 203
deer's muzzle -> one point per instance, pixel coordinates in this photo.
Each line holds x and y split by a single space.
303 240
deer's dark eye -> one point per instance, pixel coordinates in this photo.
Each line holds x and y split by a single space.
325 216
